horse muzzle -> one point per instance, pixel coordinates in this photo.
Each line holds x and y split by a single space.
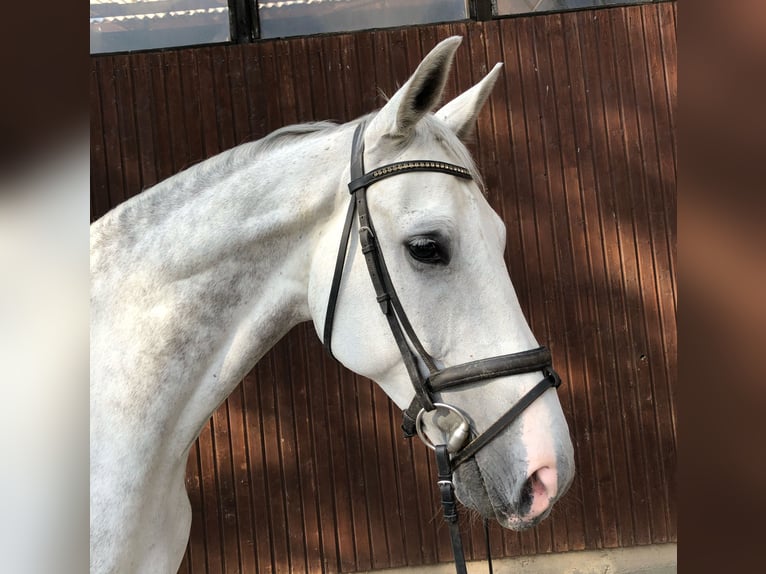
515 504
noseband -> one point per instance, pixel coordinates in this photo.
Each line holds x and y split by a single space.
451 455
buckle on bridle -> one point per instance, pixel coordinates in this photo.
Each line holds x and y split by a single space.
366 229
549 373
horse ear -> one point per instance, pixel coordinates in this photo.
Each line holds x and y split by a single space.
418 96
460 114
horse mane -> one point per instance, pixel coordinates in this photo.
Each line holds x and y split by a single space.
284 135
234 159
428 127
228 162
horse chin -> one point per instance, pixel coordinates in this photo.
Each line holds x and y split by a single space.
474 492
514 522
471 490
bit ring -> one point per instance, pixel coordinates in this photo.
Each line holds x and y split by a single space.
452 445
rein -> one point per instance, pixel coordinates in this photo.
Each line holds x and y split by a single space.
456 451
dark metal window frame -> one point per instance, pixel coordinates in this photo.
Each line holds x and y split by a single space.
244 23
245 26
243 18
480 10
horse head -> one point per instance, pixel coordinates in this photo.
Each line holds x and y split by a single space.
443 248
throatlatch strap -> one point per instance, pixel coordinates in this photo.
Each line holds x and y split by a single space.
356 170
335 287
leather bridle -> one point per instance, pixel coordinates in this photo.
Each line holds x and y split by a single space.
451 455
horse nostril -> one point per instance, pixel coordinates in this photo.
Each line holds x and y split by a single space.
545 481
538 492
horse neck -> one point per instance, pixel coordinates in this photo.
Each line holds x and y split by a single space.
215 265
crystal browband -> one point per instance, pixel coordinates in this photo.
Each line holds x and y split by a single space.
405 166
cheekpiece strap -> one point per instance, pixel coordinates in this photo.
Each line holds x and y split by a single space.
357 169
410 415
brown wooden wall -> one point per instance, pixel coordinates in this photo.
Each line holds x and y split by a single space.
303 469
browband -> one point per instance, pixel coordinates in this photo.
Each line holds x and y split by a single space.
368 179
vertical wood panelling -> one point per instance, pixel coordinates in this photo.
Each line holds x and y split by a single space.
99 181
589 406
304 469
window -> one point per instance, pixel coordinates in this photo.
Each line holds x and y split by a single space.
506 7
298 17
120 25
125 25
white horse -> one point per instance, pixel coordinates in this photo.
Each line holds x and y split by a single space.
196 278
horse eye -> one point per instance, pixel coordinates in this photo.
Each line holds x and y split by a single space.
428 250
